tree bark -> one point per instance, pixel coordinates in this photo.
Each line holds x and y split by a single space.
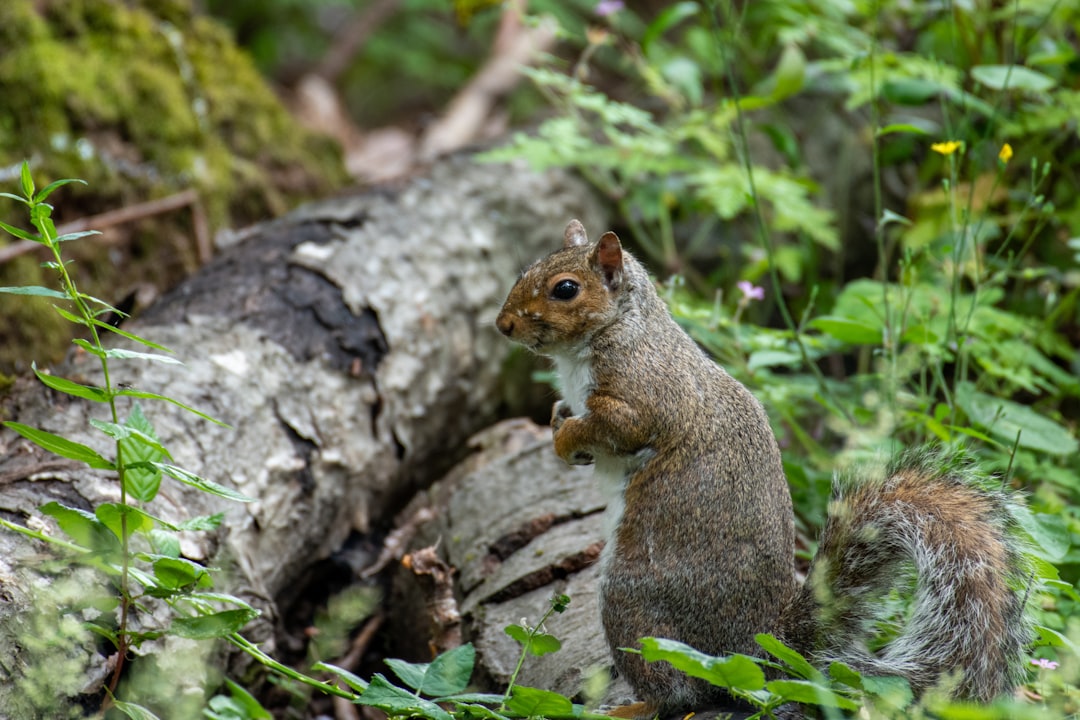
350 347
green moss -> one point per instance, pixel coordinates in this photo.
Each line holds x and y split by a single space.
141 99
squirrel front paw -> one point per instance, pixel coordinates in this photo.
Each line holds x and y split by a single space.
560 413
561 421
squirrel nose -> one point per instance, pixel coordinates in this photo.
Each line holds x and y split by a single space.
505 323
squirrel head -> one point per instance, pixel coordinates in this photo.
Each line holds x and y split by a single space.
561 300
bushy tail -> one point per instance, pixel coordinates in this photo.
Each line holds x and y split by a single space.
929 524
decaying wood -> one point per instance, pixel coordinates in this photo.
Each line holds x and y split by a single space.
349 345
520 526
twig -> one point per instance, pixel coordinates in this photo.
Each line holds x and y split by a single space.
396 542
445 615
515 45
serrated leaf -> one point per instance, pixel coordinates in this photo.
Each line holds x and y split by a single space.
1050 533
534 702
808 693
113 516
61 446
734 671
792 658
538 644
395 701
1012 77
215 625
154 396
81 526
87 392
33 290
139 451
194 480
353 681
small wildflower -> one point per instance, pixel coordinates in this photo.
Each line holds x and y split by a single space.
608 7
947 148
750 291
1044 663
1006 153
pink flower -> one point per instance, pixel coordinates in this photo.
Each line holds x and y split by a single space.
1044 663
750 291
608 7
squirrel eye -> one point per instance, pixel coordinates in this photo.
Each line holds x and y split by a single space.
565 290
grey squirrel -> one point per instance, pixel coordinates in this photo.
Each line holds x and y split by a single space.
701 531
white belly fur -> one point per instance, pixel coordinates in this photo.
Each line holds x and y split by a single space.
575 375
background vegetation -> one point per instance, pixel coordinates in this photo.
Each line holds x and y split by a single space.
868 211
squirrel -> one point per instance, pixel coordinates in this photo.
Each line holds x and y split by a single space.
700 528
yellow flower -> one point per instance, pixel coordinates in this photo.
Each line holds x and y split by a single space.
1006 153
947 148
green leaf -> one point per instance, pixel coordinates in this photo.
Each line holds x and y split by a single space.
847 331
24 201
188 478
215 625
138 452
33 290
48 189
790 72
202 523
666 19
841 673
808 693
353 681
70 317
68 237
902 128
133 711
122 354
910 91
165 542
449 673
732 671
537 644
1053 638
1049 533
1004 418
1012 77
26 180
183 574
130 336
61 446
412 674
154 396
19 232
81 526
534 703
112 515
792 658
64 385
395 701
246 703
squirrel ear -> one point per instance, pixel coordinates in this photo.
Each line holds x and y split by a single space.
575 235
608 259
